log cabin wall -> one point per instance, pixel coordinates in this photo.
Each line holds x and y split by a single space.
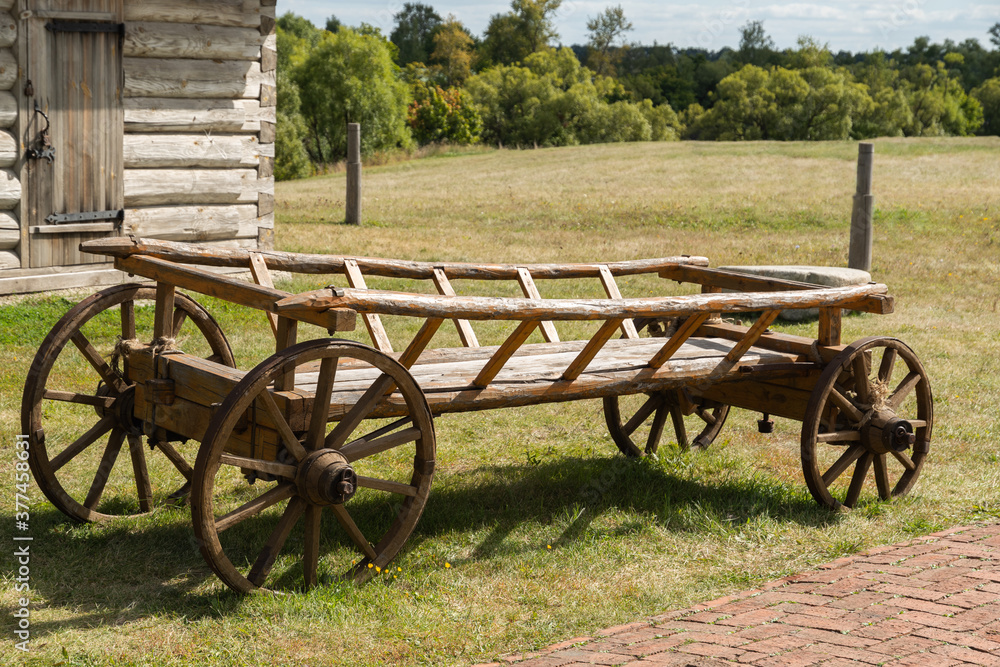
194 155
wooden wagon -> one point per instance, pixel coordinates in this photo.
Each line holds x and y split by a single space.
138 362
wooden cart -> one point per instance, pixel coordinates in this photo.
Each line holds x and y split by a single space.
149 363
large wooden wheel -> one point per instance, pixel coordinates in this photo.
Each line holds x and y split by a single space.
636 423
343 495
77 406
871 412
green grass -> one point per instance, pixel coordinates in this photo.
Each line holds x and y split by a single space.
536 530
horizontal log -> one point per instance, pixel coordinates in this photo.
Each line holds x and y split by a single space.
192 150
155 187
240 13
8 29
8 109
8 149
144 114
191 223
10 231
158 77
503 308
306 263
6 5
10 190
180 40
8 69
9 260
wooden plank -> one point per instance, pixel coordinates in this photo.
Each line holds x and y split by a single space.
444 288
191 223
590 351
81 228
143 151
391 268
258 268
503 355
229 289
193 115
530 290
684 331
611 288
419 342
163 321
147 39
372 322
778 342
749 340
285 335
829 326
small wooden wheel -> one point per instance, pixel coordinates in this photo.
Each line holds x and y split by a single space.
371 467
872 410
77 409
636 422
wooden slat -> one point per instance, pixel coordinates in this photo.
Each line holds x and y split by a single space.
444 288
164 318
594 346
611 287
372 321
420 342
285 336
755 332
684 331
530 290
497 361
829 326
258 267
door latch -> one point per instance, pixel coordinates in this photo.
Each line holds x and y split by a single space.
43 150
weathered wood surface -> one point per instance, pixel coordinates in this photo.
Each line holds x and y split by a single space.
307 263
503 308
156 187
148 114
192 223
193 78
238 13
8 69
143 151
10 190
8 109
8 29
10 231
189 40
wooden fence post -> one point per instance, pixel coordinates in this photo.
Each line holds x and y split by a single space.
860 256
353 216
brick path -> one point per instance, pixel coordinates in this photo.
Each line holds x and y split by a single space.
932 601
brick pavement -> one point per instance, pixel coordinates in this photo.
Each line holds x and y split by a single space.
932 601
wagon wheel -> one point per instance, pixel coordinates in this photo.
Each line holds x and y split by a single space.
77 409
636 422
372 473
872 410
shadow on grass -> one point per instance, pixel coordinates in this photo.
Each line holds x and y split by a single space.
131 569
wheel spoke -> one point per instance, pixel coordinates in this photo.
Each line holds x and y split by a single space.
905 460
180 316
706 415
360 449
260 465
862 385
858 480
361 409
903 390
255 506
882 478
104 470
310 555
888 364
642 414
845 405
128 320
265 560
843 463
83 399
839 436
347 523
292 443
81 443
178 461
656 429
95 359
680 430
143 488
387 485
321 403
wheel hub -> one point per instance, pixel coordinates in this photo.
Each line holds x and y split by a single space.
326 478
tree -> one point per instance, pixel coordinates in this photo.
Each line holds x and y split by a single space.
526 29
333 24
290 157
988 96
994 33
605 29
350 77
413 35
756 47
453 51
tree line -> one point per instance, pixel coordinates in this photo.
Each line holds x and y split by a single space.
430 80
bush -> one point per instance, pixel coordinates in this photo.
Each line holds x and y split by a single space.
438 115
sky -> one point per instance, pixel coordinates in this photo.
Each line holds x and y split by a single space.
713 24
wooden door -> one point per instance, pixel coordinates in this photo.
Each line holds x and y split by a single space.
74 127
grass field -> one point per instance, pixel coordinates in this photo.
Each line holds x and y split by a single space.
536 529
